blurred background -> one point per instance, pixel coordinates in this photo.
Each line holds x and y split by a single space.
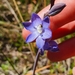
17 57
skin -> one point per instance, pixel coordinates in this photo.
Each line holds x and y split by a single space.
61 25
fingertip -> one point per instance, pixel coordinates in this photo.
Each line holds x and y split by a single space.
66 16
25 33
73 70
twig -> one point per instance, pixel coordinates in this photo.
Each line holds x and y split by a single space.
20 15
5 18
12 10
44 5
8 25
18 10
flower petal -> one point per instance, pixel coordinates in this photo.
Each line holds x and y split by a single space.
28 26
54 46
47 34
46 45
34 17
51 46
37 22
40 42
46 22
32 37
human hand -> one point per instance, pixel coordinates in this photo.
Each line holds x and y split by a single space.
61 25
74 71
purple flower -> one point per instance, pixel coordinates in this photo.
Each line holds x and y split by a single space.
39 30
50 45
41 33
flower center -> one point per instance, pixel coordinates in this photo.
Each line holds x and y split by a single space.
39 29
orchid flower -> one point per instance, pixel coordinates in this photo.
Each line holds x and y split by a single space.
39 31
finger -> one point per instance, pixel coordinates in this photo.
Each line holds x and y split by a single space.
58 33
66 50
64 30
65 16
74 71
25 33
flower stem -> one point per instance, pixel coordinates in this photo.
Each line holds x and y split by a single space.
35 63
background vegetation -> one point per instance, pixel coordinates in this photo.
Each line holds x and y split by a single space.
17 57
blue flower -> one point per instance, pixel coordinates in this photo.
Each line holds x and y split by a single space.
50 45
39 30
41 33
